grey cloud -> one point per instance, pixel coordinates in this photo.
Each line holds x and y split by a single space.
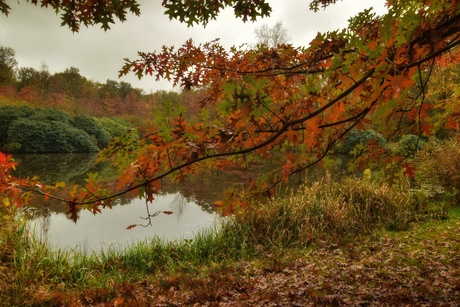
37 37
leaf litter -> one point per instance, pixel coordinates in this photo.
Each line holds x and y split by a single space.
419 267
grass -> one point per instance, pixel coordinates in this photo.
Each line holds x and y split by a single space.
325 215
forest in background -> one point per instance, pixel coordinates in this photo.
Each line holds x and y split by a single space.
65 112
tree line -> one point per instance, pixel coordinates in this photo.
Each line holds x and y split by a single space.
65 112
69 90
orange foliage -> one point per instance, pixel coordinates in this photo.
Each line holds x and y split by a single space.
298 101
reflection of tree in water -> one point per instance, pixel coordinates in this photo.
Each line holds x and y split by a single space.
203 189
45 224
207 187
178 205
177 208
51 168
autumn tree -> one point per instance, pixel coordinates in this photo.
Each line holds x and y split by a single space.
443 95
289 105
8 65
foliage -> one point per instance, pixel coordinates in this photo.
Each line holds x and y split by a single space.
91 126
7 64
38 136
409 144
71 92
360 137
444 95
71 134
114 126
51 114
439 168
199 12
8 114
87 13
288 105
298 101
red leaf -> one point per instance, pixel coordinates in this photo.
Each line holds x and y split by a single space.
409 170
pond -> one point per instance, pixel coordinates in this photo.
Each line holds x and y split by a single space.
109 228
190 204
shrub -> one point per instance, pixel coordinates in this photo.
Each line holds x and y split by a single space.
38 136
355 137
9 114
51 114
92 127
115 127
409 144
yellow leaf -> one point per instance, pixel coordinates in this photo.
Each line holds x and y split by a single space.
60 185
6 202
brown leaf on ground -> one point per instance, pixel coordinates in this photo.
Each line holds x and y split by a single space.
413 268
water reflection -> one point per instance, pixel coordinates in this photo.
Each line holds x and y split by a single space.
96 232
51 168
190 204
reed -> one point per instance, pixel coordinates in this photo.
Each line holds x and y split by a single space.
328 212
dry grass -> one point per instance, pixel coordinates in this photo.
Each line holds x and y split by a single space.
439 165
328 211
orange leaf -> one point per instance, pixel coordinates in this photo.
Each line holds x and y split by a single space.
409 170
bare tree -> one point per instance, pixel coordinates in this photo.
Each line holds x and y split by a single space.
271 37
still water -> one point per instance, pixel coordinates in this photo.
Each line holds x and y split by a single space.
109 228
190 204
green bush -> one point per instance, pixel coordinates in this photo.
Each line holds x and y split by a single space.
8 114
115 127
51 114
409 144
93 128
65 134
38 136
355 137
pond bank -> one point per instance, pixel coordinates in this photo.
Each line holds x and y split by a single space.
414 267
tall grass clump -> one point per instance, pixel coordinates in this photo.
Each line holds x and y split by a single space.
327 212
439 168
8 226
13 255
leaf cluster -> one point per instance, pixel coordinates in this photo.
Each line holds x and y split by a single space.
296 103
87 13
287 105
201 12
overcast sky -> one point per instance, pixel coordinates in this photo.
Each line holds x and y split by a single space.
37 37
